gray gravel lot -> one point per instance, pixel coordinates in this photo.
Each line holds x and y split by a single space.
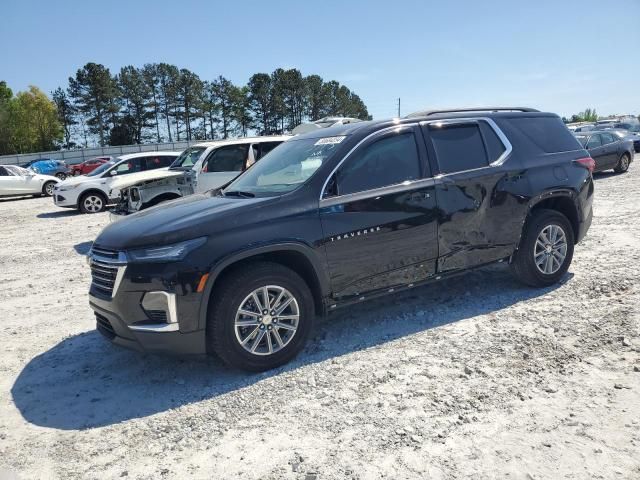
476 377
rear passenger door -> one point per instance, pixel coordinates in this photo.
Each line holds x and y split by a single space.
597 151
477 222
221 166
610 149
379 215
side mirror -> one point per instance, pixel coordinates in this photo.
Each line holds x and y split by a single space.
113 173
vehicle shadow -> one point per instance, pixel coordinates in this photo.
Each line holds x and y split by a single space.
85 382
59 214
15 199
83 248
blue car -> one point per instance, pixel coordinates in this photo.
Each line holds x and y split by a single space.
56 168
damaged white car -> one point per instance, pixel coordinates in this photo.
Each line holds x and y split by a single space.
201 167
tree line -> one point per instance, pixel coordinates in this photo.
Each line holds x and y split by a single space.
161 102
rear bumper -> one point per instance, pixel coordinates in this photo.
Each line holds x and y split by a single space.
111 323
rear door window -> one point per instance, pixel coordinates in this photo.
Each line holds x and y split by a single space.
227 159
459 147
607 138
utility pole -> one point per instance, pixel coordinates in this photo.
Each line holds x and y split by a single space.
398 107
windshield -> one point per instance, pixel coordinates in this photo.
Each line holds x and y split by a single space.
102 168
582 139
187 159
286 167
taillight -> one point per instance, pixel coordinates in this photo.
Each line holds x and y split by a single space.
586 162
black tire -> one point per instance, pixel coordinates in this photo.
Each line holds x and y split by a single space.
47 188
92 202
230 295
523 263
61 176
623 164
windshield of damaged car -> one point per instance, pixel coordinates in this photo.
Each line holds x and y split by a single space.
101 169
187 159
286 167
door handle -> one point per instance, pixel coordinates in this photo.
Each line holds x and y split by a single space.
417 196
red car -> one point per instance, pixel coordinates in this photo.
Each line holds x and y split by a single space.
88 165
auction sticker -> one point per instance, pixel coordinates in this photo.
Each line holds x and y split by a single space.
330 140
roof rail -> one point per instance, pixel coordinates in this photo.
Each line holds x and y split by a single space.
426 113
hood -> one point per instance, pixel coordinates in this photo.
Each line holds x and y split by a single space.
182 219
131 179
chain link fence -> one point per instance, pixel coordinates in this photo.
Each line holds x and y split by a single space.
72 157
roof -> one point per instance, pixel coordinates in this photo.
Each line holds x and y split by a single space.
128 156
371 126
243 140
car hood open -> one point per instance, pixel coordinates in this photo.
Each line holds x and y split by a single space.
134 178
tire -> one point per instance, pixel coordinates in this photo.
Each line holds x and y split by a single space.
623 164
235 292
92 202
47 188
524 265
61 176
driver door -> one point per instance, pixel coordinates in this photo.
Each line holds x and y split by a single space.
221 166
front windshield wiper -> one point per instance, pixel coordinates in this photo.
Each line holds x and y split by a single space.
238 193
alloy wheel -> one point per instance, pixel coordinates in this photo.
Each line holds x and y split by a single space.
93 204
48 188
624 163
550 249
267 320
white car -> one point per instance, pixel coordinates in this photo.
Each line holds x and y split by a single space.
16 181
91 193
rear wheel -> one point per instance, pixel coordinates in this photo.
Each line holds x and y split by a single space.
546 249
92 202
47 188
61 175
261 317
623 164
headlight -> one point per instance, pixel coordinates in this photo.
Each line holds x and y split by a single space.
166 253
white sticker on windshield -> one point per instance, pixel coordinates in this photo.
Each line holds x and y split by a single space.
330 140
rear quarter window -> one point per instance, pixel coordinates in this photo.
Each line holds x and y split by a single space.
548 133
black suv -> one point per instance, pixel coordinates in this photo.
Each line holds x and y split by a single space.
337 216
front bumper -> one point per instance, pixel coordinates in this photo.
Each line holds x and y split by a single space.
113 324
153 307
65 198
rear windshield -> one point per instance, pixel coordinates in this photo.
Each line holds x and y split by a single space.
548 133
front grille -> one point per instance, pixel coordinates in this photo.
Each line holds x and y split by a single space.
60 198
157 315
104 327
106 267
103 276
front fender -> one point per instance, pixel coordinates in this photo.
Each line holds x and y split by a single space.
299 247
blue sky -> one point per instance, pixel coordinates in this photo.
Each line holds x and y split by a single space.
561 56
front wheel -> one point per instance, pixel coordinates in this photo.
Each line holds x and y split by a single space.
93 202
61 176
546 249
47 188
261 317
623 164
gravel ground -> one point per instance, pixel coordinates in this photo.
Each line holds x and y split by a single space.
476 377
